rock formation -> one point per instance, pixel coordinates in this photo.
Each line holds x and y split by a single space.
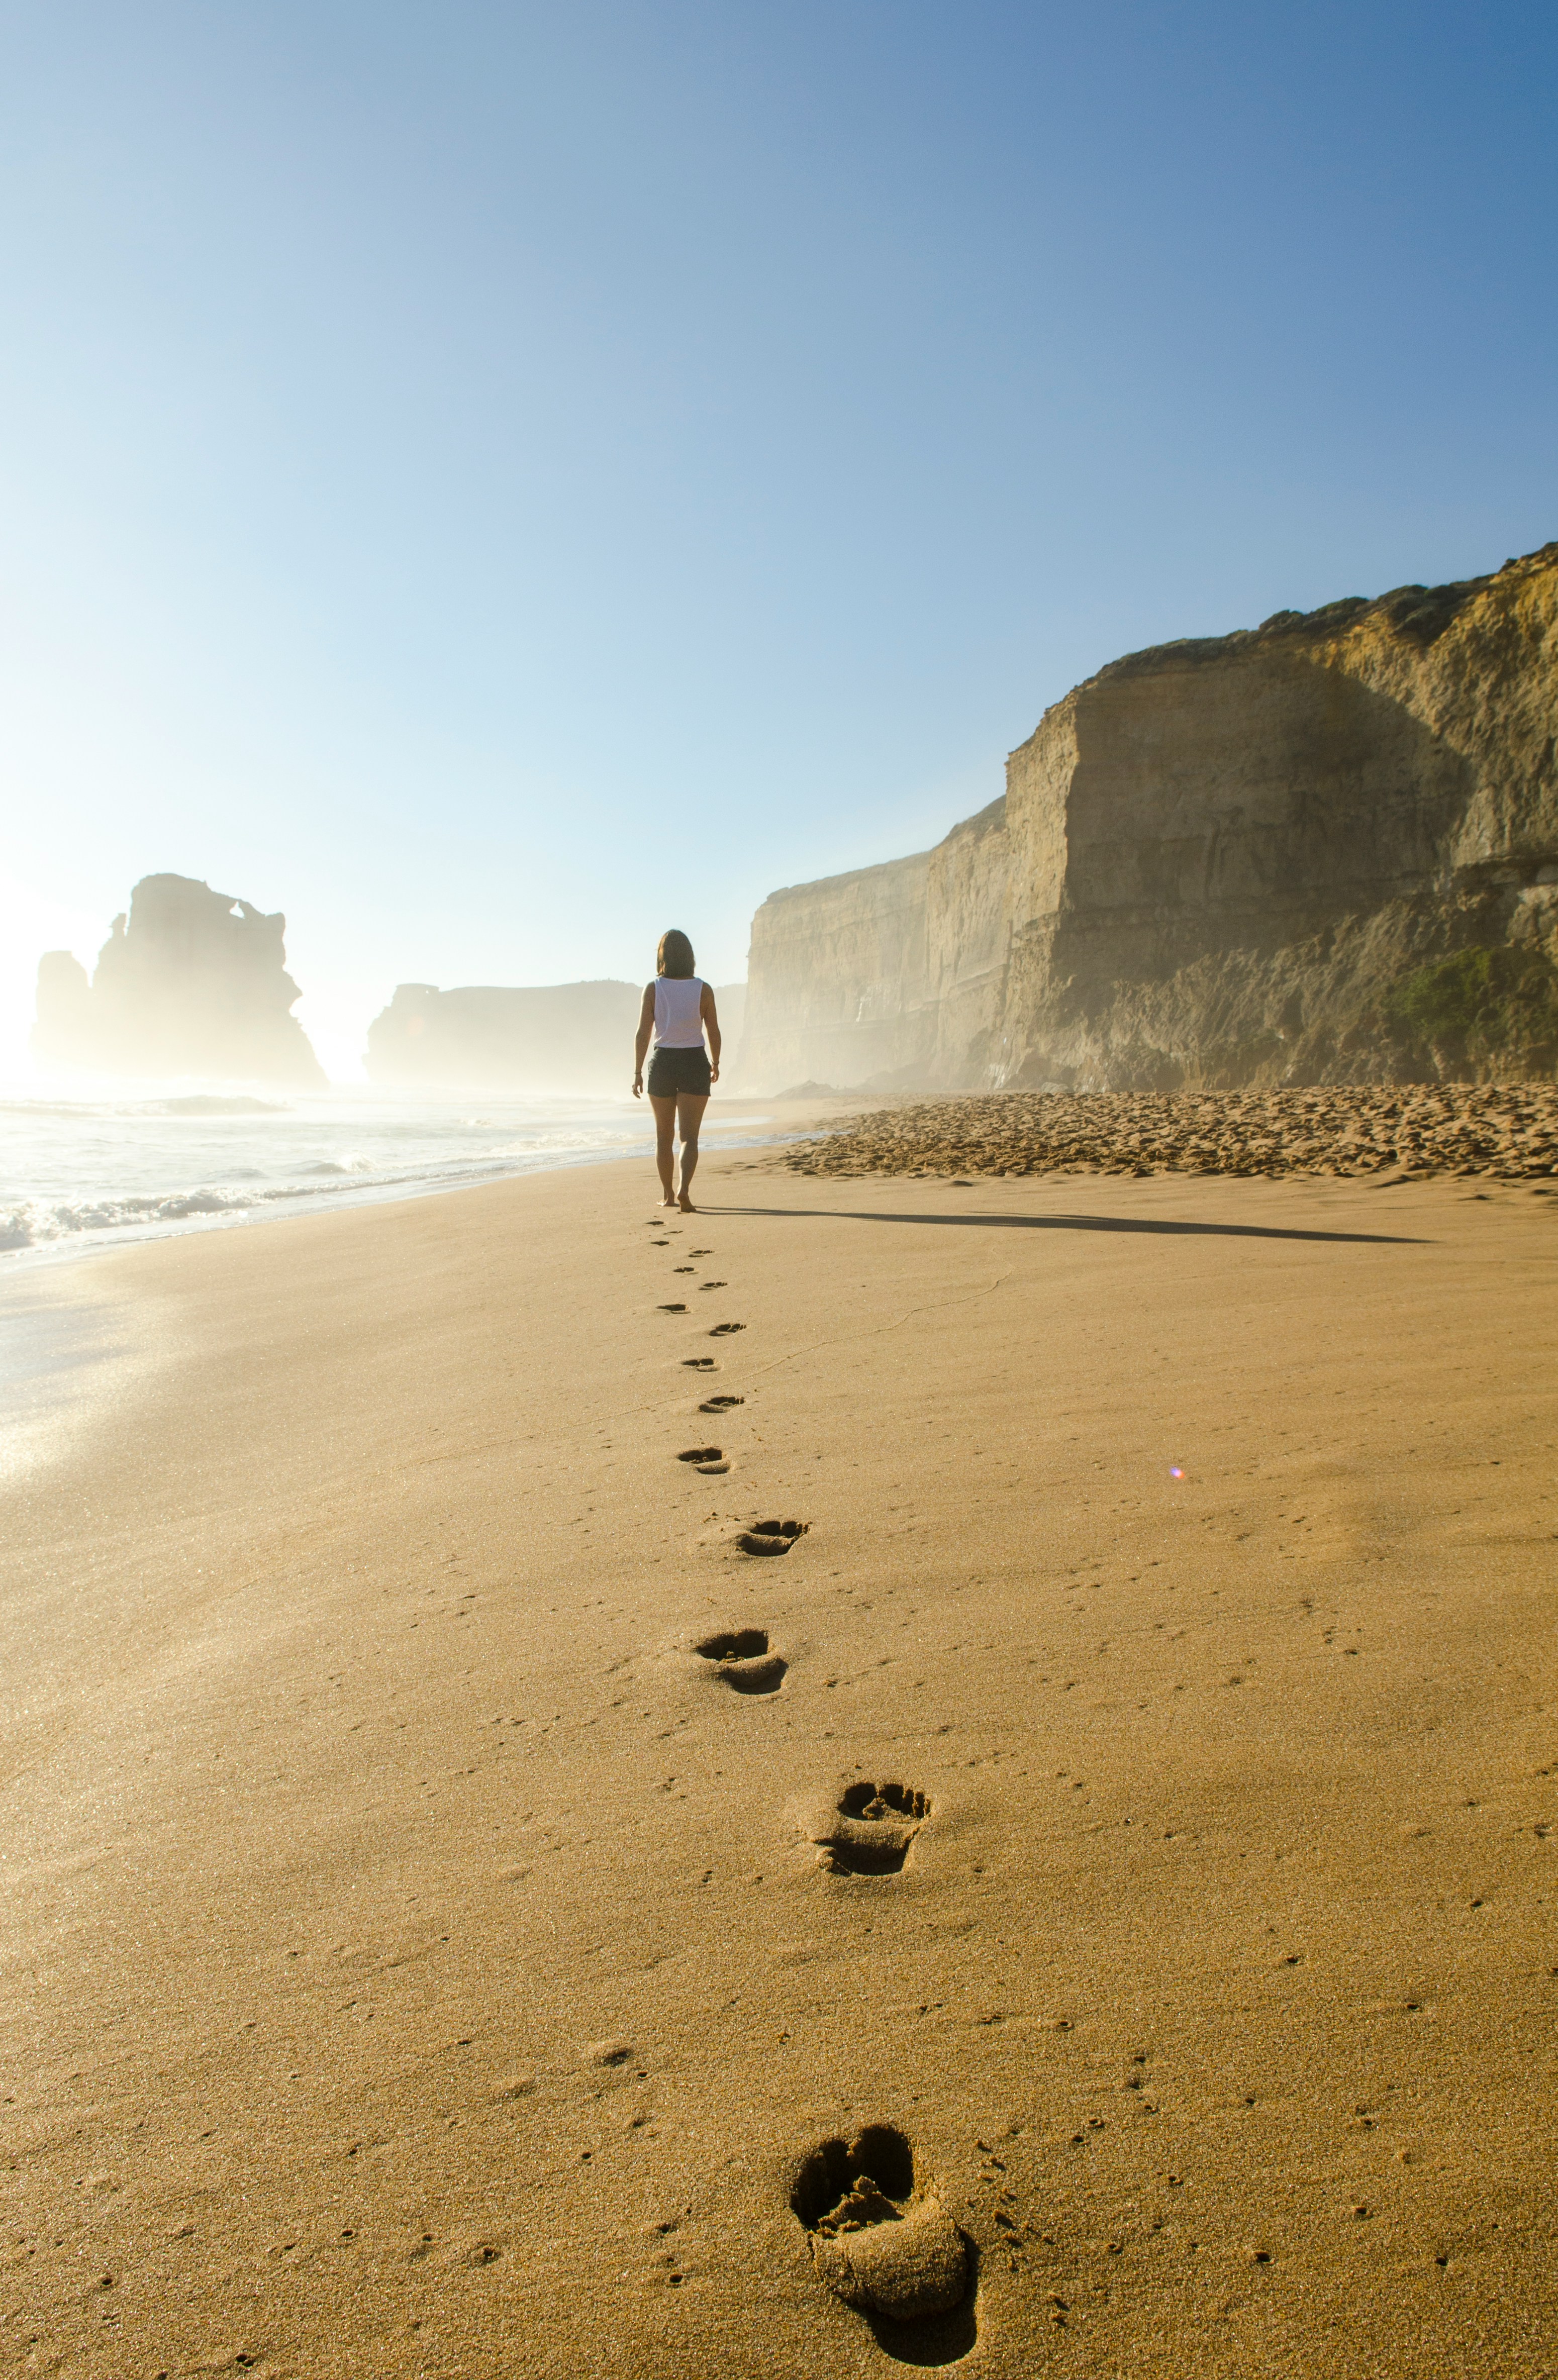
1322 850
193 982
554 1038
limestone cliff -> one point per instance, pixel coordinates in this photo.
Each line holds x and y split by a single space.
836 980
192 982
553 1038
1325 849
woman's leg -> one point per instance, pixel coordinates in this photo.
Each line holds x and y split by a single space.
664 1125
689 1115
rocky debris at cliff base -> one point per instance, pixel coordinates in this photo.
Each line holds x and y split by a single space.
1508 1133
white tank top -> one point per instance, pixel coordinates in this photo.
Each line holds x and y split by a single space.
678 1023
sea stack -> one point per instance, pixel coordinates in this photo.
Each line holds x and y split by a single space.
555 1038
561 1037
190 982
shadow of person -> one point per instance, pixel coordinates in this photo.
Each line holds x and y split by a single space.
1159 1226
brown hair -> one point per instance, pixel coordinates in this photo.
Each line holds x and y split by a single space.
675 954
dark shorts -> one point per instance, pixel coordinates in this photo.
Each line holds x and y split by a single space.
678 1069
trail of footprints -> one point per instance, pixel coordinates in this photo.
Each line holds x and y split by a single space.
879 2232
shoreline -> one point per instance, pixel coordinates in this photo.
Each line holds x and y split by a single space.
285 1205
418 1958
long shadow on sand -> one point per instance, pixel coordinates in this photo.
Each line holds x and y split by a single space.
1077 1224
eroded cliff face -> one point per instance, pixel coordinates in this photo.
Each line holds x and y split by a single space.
1322 850
836 986
192 982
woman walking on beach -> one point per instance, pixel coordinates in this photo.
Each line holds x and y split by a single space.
678 1009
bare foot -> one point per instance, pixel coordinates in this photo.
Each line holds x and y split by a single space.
669 1204
686 1205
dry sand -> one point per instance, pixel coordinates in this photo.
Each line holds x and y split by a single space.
421 1962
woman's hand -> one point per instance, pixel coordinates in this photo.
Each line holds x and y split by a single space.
713 1073
638 1086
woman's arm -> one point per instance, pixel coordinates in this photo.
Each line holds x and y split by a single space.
641 1039
710 1014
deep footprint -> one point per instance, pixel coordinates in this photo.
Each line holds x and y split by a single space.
673 1309
719 1405
723 1329
711 1285
878 2233
870 1831
699 1364
772 1536
743 1661
701 1454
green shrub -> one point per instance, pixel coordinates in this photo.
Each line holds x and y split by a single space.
1481 1003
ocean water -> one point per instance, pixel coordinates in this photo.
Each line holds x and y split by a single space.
79 1173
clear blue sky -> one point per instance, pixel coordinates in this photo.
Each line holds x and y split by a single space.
494 481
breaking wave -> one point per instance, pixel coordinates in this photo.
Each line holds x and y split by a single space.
95 1172
33 1222
99 1172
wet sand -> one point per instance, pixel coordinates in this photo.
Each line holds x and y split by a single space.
419 1960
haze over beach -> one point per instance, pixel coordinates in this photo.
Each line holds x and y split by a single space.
910 1722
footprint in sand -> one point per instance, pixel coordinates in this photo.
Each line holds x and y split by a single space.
700 1252
772 1536
723 1329
868 1831
712 1284
741 1658
704 1458
719 1405
673 1309
684 1267
699 1364
879 2231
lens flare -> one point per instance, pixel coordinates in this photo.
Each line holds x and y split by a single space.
1175 1471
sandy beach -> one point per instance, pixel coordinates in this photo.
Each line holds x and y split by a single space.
421 1959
